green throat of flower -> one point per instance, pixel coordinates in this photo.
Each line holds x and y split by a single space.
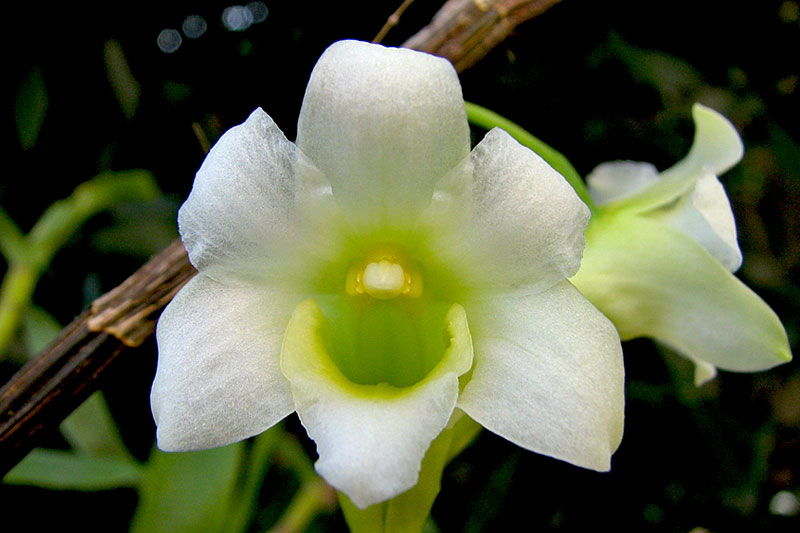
384 327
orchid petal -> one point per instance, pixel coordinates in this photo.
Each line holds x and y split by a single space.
715 149
218 377
690 302
382 124
706 216
504 218
371 438
615 180
704 212
253 204
548 375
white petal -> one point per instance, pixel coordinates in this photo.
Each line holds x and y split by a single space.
706 216
715 149
615 180
383 124
504 218
547 375
371 438
716 146
218 377
257 205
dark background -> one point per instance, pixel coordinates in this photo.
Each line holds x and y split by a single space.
596 80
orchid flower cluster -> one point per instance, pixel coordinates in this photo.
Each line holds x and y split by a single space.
385 282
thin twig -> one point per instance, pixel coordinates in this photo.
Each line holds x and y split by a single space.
392 21
202 138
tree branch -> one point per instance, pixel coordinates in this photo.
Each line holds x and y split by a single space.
464 31
51 386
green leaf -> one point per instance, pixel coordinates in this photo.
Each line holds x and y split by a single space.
30 108
187 492
90 429
39 329
55 469
126 88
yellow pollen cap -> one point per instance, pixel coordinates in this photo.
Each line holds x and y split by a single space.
384 274
384 280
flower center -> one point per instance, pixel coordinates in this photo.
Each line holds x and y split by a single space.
384 274
385 280
384 327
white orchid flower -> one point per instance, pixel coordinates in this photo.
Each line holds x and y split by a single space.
376 277
660 252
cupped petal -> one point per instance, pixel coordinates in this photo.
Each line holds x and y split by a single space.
615 180
383 124
371 438
258 210
716 146
715 149
503 218
652 280
706 216
219 379
547 375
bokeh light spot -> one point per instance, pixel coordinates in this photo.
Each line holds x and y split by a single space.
237 18
169 40
259 11
784 503
194 26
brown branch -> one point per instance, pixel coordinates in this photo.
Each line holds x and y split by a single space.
48 388
464 31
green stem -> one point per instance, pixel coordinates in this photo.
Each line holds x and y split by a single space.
28 256
15 295
12 242
63 218
255 469
480 116
295 457
314 496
